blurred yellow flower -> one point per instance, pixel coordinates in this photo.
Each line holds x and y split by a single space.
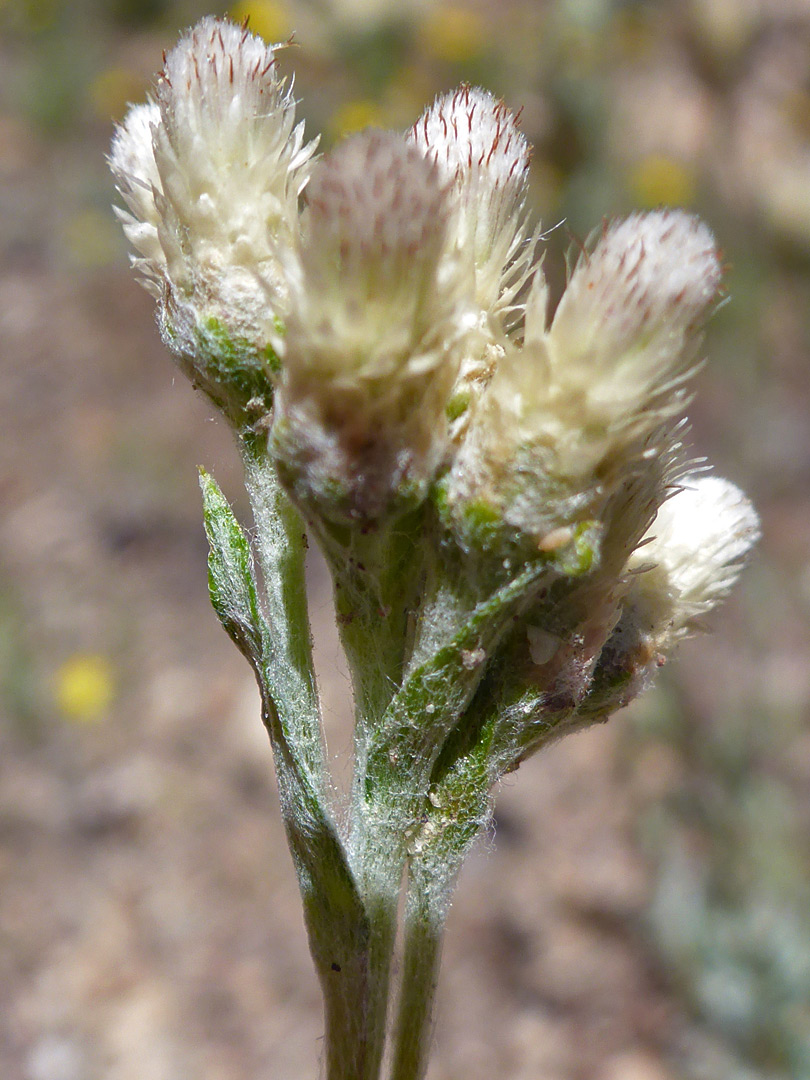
270 19
662 181
353 116
453 34
84 687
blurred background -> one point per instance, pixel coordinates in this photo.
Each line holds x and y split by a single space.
641 909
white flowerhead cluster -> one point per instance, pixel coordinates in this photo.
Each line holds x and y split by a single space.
211 172
376 324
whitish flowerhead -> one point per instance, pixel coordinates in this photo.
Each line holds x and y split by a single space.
133 162
694 552
480 151
374 285
578 413
378 305
211 173
627 328
483 158
690 559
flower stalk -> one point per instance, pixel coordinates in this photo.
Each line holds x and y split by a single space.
516 538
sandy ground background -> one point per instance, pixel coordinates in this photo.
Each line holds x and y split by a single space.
640 910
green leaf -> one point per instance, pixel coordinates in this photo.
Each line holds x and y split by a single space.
336 918
231 580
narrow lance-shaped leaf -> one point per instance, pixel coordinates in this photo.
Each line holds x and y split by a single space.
336 918
231 580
